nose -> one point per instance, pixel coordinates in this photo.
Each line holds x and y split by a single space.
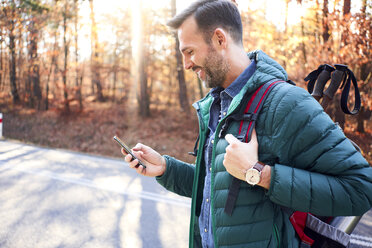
187 63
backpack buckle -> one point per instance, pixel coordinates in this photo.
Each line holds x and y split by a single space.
223 130
195 152
249 117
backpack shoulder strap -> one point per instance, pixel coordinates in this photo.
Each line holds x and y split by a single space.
247 123
253 109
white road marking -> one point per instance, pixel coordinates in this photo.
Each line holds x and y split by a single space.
361 240
91 184
361 243
356 236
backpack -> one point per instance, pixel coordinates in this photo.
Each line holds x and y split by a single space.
339 74
313 231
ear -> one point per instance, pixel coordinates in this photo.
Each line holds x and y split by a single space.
220 38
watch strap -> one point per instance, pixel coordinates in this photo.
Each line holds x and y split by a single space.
259 166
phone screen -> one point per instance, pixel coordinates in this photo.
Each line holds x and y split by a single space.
127 150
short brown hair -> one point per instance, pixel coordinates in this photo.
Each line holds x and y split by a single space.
211 14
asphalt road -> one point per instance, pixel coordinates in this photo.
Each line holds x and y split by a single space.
55 198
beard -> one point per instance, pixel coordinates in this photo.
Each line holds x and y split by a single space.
216 68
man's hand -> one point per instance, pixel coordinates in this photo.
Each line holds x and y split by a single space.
155 163
240 156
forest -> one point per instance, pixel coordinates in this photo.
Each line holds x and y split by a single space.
73 73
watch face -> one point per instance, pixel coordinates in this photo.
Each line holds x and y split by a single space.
253 176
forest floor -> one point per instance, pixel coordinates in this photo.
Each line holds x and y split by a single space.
91 130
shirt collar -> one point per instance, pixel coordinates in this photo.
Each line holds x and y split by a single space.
236 86
216 91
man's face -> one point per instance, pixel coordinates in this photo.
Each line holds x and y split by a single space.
210 66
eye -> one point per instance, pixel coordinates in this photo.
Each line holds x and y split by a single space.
190 52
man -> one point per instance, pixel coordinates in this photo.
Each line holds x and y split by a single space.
309 165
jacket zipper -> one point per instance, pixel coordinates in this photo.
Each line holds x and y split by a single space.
201 144
216 136
276 235
196 176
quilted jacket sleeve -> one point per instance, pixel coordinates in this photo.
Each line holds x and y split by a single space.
318 169
178 177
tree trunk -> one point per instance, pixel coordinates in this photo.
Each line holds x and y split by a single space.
55 78
144 99
114 80
46 100
364 37
360 120
144 96
318 23
325 21
360 126
365 73
170 83
303 45
346 17
53 63
12 69
64 73
200 88
115 69
184 102
139 54
33 73
77 77
96 80
364 8
339 115
12 63
1 57
363 115
347 7
286 16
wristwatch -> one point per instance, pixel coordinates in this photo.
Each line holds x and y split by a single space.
253 175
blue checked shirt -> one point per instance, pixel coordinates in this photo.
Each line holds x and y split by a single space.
218 110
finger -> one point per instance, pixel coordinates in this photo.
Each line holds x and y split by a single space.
141 170
231 139
254 136
137 153
139 147
128 158
133 164
123 151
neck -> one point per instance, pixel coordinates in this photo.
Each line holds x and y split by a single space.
238 61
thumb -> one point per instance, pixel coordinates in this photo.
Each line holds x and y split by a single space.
139 147
254 136
231 139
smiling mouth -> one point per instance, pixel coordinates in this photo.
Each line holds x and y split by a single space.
198 71
196 68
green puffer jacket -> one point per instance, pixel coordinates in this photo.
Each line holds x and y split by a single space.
314 168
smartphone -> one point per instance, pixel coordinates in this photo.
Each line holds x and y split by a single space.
127 150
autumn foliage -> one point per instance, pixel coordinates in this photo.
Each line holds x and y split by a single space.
46 71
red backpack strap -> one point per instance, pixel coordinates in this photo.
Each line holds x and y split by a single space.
253 109
247 123
298 220
316 231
